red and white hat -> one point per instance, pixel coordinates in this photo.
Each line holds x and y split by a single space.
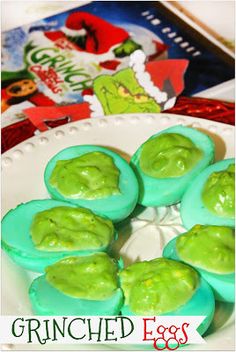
161 80
153 76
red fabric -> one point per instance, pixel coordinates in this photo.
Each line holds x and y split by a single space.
16 133
210 109
55 116
172 70
22 130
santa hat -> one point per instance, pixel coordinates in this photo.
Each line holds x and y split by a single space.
96 30
154 75
106 34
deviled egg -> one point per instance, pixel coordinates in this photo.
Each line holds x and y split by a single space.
167 163
93 177
210 198
210 250
166 287
39 233
78 286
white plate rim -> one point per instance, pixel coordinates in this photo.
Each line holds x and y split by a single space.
165 120
192 121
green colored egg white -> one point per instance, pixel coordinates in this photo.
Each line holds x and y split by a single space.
192 209
167 191
222 284
115 207
48 300
17 242
202 303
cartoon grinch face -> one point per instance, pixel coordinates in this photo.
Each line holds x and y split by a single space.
121 94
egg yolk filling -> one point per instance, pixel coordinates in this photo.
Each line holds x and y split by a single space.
218 194
169 155
90 176
67 228
208 247
92 277
158 286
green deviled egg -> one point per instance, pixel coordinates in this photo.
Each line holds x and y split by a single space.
41 232
93 177
168 162
166 287
210 250
210 198
78 286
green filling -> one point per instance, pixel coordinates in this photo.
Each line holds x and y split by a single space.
92 277
158 286
67 228
169 155
218 193
122 94
90 176
208 247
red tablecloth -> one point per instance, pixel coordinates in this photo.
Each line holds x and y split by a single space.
210 109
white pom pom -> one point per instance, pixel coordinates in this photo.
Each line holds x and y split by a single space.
137 58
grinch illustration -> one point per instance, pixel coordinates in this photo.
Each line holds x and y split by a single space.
61 63
143 87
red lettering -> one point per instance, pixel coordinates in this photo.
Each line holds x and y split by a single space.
145 332
49 77
185 334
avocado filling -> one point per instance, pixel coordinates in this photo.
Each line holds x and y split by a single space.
208 247
92 277
90 176
218 194
158 286
67 228
169 155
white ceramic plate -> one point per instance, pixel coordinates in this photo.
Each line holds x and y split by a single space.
22 180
